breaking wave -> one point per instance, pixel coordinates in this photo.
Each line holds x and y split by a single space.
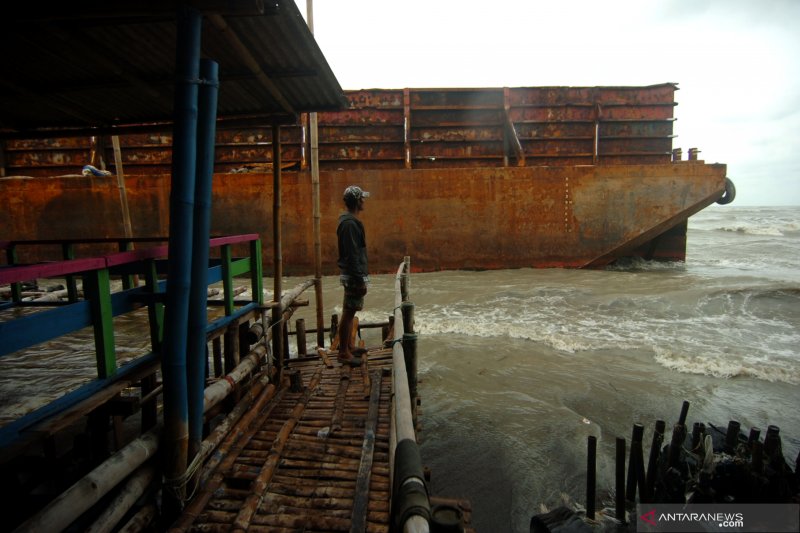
749 332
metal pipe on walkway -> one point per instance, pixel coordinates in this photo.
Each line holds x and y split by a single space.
196 355
410 500
184 147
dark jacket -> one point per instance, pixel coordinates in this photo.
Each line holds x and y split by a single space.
352 246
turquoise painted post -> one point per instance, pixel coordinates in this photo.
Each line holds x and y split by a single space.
68 252
181 206
197 347
256 272
96 287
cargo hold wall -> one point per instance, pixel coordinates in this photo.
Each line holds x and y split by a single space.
409 129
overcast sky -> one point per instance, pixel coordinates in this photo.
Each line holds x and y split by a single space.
737 64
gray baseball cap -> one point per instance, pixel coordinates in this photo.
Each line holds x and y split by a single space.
355 192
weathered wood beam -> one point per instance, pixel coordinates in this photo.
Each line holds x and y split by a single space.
252 63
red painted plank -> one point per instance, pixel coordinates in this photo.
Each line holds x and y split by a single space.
48 270
233 239
132 256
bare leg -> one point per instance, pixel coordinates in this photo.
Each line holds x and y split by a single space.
345 328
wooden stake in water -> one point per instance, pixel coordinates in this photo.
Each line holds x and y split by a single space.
655 452
620 480
638 433
591 475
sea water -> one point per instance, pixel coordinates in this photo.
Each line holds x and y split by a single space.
518 367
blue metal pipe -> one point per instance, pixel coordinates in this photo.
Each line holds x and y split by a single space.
196 352
181 204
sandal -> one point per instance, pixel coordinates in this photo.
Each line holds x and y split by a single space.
358 351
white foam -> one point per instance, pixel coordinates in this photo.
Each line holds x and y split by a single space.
773 231
728 367
734 332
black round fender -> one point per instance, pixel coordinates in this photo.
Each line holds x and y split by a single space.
730 193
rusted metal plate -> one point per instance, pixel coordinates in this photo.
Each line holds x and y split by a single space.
377 98
447 218
371 116
457 98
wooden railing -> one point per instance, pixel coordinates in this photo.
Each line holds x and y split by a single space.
100 306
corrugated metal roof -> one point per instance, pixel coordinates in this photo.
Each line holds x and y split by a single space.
109 63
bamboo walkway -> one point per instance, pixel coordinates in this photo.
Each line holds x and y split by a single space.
315 457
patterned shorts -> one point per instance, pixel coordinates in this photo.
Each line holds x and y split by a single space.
354 291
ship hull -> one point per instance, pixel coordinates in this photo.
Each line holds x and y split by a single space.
448 218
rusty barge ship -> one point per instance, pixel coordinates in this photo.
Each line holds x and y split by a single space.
481 178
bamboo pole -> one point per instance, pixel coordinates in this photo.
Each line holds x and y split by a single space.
313 133
184 146
258 394
277 254
220 389
140 520
74 501
123 193
224 459
300 328
116 510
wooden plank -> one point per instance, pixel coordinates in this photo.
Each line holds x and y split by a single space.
361 500
40 327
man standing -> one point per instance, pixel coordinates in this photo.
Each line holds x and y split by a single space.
353 266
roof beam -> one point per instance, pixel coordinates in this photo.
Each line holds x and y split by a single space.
252 64
145 10
115 65
55 102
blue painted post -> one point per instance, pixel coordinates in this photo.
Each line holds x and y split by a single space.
184 157
196 353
